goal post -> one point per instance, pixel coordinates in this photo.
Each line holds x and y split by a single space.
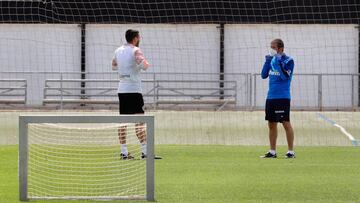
54 147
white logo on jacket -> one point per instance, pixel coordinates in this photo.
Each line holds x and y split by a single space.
274 72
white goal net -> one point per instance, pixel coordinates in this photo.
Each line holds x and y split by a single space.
78 157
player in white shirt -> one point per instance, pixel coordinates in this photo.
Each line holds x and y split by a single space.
129 61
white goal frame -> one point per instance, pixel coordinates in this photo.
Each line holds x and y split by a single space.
23 147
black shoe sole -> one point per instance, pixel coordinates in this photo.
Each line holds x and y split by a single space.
156 157
268 157
293 157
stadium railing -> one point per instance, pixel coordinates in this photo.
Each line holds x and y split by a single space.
13 91
315 91
163 92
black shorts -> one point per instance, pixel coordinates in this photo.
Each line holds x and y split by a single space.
277 110
131 103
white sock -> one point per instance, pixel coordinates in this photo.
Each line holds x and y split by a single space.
273 152
291 152
124 149
143 148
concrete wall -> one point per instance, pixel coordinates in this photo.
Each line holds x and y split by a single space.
38 47
169 48
315 49
191 49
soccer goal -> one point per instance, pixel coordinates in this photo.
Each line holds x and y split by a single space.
78 157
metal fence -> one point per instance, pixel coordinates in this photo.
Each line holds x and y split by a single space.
180 90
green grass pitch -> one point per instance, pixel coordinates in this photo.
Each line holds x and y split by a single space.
221 128
216 173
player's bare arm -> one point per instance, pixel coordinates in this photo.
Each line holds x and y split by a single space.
114 64
141 61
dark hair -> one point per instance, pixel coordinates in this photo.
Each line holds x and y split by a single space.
279 43
131 34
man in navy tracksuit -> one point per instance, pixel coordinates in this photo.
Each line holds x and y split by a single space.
279 68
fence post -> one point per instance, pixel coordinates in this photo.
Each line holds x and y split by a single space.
249 90
320 91
236 95
154 91
25 92
254 104
352 91
61 91
222 59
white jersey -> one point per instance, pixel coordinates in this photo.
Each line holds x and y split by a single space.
128 68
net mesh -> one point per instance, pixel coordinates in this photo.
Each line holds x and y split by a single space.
83 161
205 55
203 85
